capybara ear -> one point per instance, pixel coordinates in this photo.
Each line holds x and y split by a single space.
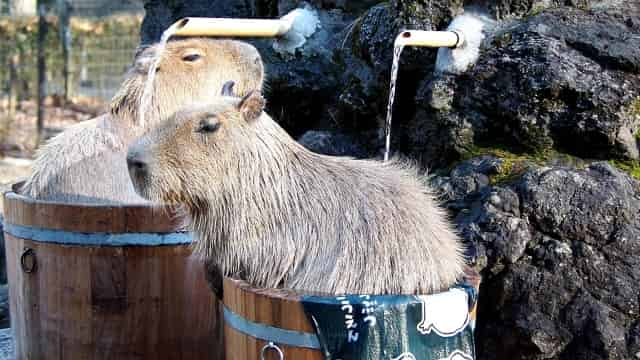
227 88
252 105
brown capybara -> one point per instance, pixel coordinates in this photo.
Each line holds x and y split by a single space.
268 211
86 162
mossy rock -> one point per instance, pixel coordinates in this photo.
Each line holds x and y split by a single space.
516 162
632 167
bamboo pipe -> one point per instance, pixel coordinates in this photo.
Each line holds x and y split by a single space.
449 39
225 27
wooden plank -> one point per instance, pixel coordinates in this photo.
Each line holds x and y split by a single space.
87 302
274 307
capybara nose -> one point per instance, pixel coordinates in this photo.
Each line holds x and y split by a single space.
136 162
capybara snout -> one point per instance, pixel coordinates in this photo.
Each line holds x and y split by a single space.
138 165
136 160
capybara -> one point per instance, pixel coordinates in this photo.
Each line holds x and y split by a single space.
270 212
86 162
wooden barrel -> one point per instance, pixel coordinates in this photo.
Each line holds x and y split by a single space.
269 315
272 323
105 282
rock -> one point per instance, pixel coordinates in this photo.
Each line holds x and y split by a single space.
590 207
559 251
355 7
160 14
366 58
466 179
302 89
566 79
519 8
426 14
336 144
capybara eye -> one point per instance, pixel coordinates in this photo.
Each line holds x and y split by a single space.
208 125
191 57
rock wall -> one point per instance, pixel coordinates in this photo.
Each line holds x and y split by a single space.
522 147
559 250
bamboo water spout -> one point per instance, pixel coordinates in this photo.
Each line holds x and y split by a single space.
223 27
459 48
447 39
295 26
291 31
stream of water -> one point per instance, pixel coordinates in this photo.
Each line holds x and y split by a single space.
147 93
397 50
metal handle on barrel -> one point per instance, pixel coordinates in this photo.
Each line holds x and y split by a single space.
272 346
28 261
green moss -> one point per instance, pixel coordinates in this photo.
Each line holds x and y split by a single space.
510 171
516 162
536 9
632 167
635 107
502 40
507 152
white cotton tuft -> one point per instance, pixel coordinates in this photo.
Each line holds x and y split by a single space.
459 60
305 24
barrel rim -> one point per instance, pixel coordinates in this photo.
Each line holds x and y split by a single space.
470 275
249 302
23 210
14 194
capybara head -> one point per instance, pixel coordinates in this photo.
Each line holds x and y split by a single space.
195 149
190 71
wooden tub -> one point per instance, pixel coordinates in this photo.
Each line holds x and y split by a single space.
105 282
255 317
272 323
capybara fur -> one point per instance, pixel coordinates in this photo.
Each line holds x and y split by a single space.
268 211
86 162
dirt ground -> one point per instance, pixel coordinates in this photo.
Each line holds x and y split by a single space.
18 135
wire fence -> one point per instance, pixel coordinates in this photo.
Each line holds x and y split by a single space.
104 36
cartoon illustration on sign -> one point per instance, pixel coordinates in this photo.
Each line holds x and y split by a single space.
405 356
458 355
446 314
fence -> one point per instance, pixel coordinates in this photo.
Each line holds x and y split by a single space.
104 36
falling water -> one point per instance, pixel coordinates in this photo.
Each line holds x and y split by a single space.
147 92
397 50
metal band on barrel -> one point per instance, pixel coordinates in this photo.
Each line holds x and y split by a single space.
98 238
270 333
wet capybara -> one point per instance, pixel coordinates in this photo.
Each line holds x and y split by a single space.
86 162
270 212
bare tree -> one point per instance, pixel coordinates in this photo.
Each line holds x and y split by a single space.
42 79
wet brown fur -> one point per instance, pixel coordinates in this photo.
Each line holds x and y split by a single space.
269 211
